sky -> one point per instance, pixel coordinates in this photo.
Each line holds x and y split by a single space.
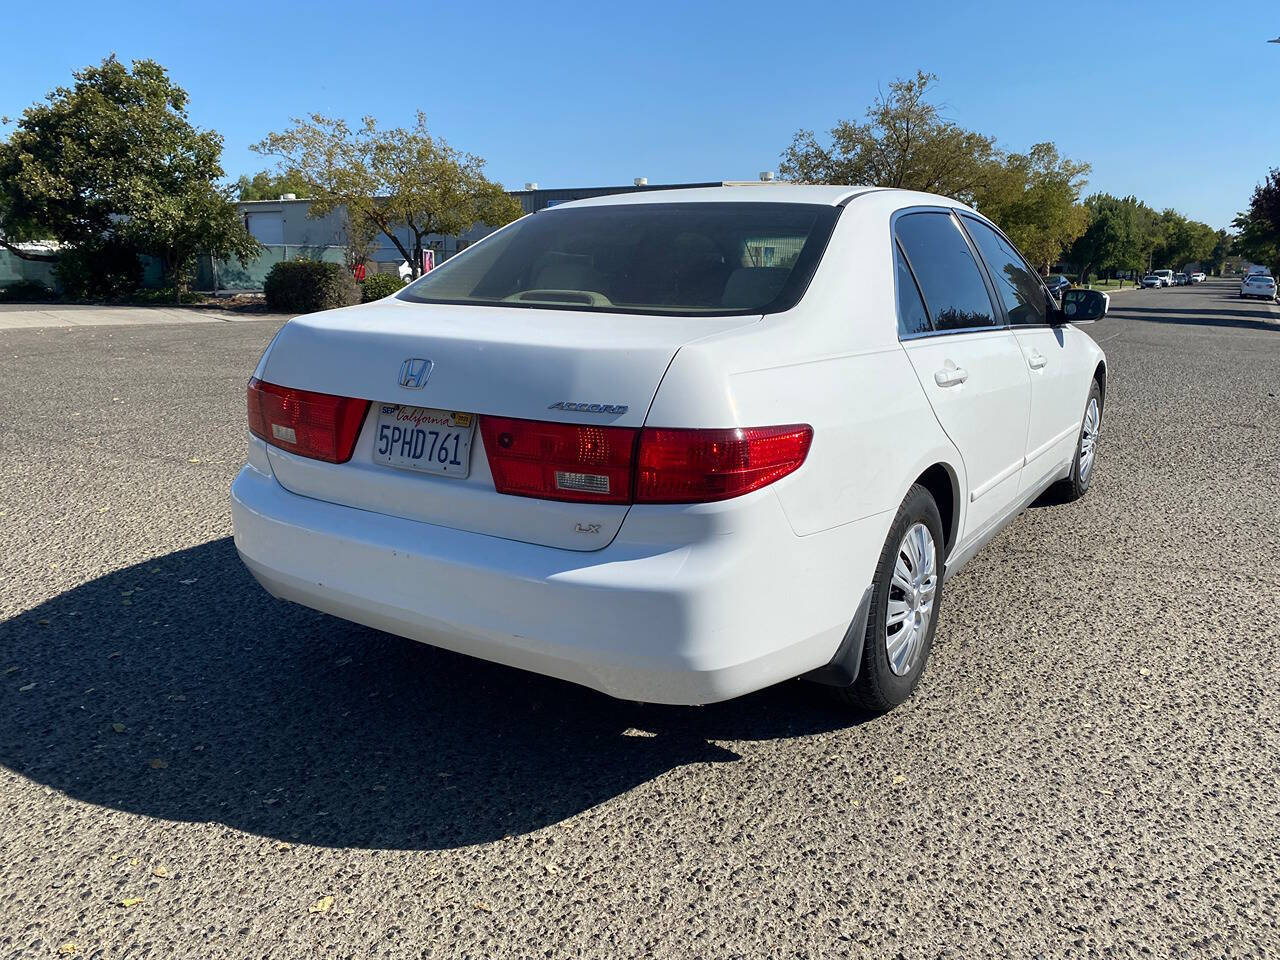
1177 103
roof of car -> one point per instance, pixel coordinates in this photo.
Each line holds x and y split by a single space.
771 192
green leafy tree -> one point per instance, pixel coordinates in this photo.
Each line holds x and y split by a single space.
114 158
1121 233
1181 240
1223 246
1258 238
271 185
1035 198
903 142
393 179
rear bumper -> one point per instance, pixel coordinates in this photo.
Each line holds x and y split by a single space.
745 605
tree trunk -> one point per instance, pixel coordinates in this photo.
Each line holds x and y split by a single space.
417 256
390 235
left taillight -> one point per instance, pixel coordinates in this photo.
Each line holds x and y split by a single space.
321 426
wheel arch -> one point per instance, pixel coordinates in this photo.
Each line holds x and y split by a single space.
1100 375
943 485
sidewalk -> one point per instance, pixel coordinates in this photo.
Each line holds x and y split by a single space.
21 316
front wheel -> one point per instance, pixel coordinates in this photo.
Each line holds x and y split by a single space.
1077 483
905 598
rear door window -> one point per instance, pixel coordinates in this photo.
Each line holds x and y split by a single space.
913 318
949 277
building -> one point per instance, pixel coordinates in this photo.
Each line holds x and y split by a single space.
285 228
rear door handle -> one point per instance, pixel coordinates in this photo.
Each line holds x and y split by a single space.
1037 360
951 376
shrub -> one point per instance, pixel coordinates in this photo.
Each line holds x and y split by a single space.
163 296
379 285
305 286
104 270
26 291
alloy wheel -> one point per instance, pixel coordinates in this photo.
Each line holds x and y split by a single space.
1089 438
912 589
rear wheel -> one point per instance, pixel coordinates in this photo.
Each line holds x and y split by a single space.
905 599
1077 484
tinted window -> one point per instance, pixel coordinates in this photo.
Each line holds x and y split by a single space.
1017 285
912 318
948 276
683 258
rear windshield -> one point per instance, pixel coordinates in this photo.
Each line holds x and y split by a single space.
661 258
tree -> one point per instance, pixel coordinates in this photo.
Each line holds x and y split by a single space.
114 157
268 185
1181 240
1120 235
1259 226
392 179
191 218
360 234
1035 198
1223 246
904 142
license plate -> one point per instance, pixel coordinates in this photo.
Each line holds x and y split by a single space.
423 438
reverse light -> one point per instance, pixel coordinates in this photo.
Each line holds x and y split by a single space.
559 461
316 425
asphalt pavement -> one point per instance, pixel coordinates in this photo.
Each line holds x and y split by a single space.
189 768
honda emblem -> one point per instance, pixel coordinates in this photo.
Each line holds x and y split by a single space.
414 373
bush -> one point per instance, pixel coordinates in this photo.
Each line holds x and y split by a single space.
163 297
105 270
379 285
305 286
26 291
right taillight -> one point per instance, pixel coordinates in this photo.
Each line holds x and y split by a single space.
594 464
695 466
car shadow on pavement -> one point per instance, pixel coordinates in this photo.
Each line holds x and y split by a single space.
177 688
1259 317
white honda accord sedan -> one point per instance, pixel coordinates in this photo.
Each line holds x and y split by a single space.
677 445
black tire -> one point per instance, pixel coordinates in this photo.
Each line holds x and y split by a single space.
1076 486
878 688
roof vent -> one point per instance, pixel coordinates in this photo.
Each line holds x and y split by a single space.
288 196
641 181
531 185
766 176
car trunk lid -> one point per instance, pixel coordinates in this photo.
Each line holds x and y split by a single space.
567 366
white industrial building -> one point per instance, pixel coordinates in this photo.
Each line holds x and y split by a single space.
285 222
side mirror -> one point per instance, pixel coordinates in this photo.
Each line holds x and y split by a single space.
1083 306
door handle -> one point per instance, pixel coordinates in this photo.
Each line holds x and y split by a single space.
1037 360
951 376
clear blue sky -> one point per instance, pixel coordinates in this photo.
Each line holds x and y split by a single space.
1176 102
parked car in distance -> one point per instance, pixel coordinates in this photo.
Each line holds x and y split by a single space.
1258 285
759 457
1166 277
1181 279
1151 280
1057 284
1198 278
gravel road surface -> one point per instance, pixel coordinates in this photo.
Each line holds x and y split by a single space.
189 768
